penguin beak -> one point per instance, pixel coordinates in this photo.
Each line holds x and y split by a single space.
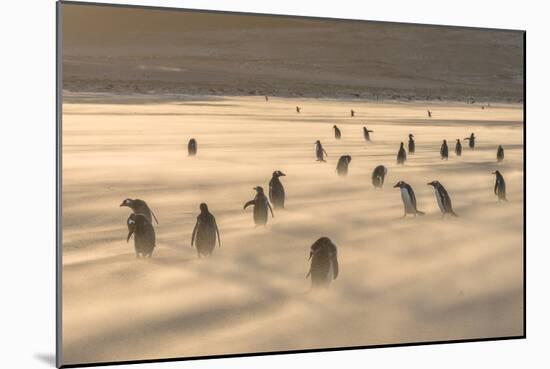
310 255
282 174
396 185
122 204
430 184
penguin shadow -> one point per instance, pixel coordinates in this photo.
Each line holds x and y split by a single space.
315 291
167 261
410 218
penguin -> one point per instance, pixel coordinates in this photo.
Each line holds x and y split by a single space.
144 234
205 232
297 109
443 199
409 199
276 190
378 175
444 151
412 146
342 166
500 186
429 114
192 147
261 205
500 153
458 147
266 98
337 132
320 151
366 133
352 113
140 207
324 263
472 141
401 155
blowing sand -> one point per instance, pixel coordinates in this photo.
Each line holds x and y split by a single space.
401 280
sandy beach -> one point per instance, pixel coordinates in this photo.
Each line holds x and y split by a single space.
401 280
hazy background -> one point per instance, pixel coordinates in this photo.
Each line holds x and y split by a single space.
115 49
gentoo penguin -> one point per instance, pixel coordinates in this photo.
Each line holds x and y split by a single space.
140 207
500 186
401 155
366 133
500 153
342 166
337 132
409 199
411 144
458 147
378 175
443 199
261 205
429 114
276 190
297 109
205 232
144 234
266 98
472 141
352 113
320 151
192 147
324 263
444 151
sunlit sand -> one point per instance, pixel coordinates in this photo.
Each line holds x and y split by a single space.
401 280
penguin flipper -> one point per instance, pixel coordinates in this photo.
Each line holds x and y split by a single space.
151 211
335 268
218 233
308 273
154 216
270 209
194 233
251 202
271 190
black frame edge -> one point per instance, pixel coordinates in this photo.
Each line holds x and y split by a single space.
58 183
306 351
525 184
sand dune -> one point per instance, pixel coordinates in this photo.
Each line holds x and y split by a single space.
402 280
